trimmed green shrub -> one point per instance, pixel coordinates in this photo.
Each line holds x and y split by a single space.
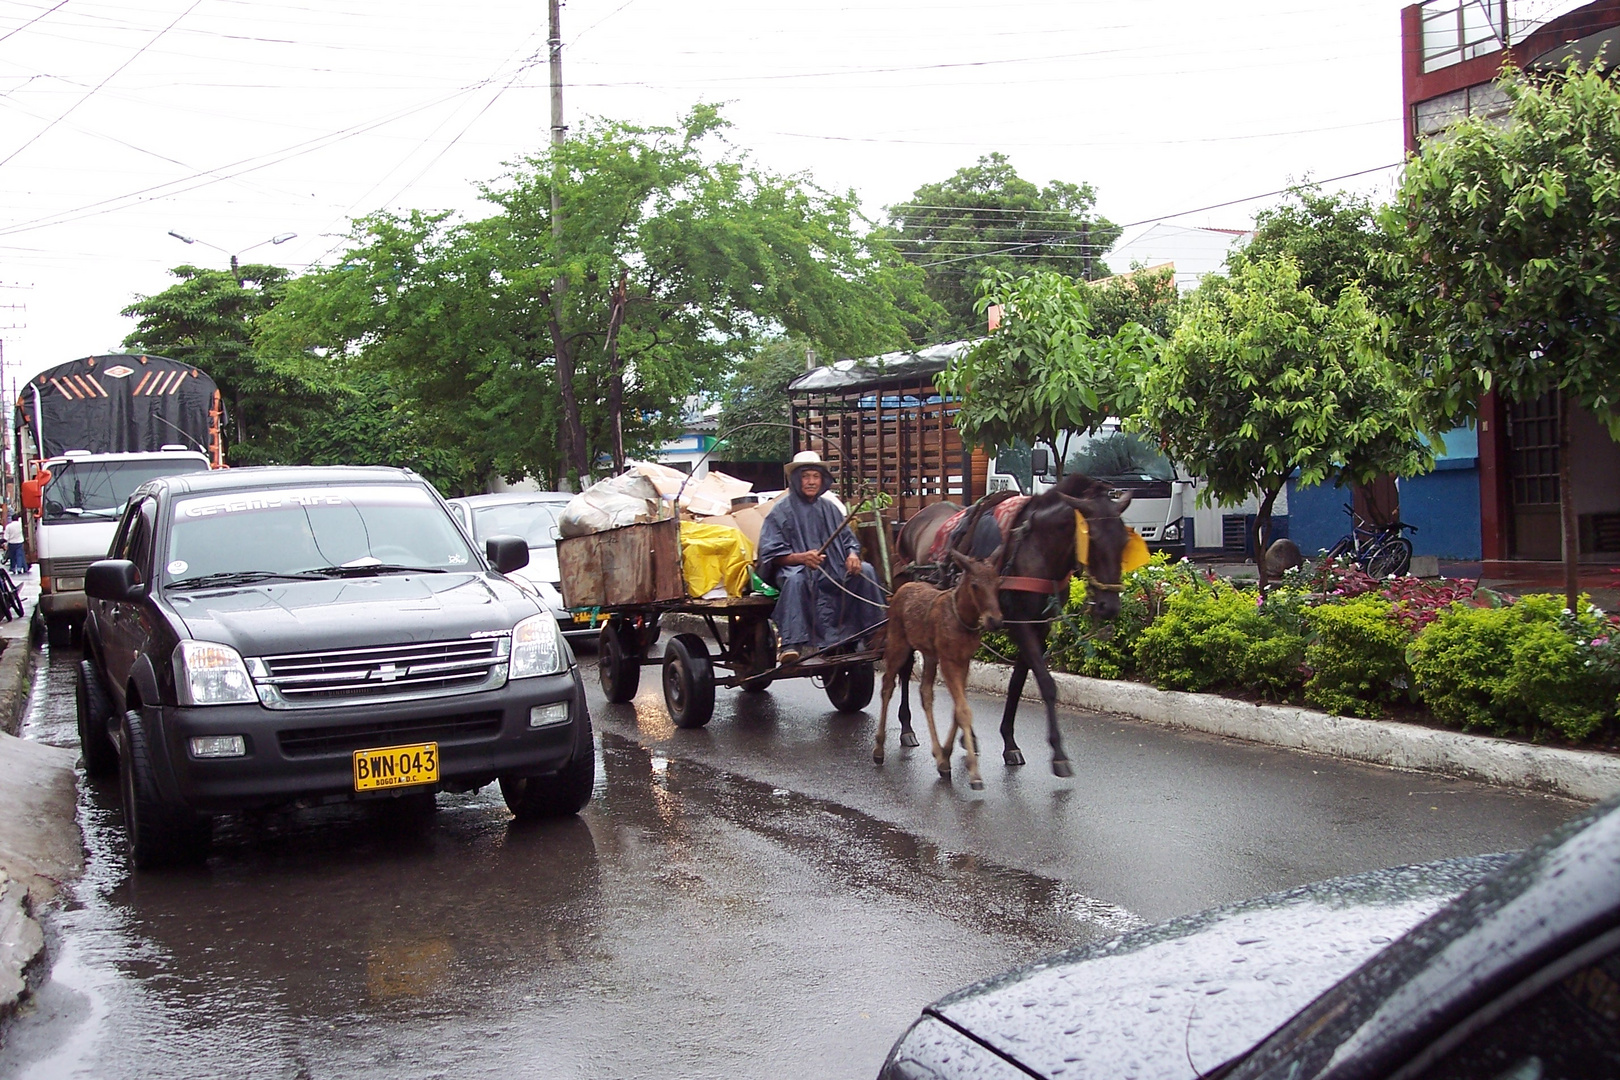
1357 657
1109 651
1515 669
1213 636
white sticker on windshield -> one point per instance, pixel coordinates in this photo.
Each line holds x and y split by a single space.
457 558
178 567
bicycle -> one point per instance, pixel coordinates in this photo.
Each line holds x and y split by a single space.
11 602
1380 550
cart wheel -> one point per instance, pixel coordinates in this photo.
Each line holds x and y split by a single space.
689 681
618 661
849 688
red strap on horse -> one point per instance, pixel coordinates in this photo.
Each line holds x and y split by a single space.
1035 585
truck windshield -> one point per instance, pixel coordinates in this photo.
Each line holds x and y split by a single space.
1114 455
333 531
97 490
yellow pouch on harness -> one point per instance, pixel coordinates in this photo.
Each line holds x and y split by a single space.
1133 557
714 555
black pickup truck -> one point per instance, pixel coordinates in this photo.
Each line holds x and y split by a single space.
259 637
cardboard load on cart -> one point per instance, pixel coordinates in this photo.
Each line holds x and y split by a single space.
749 520
647 492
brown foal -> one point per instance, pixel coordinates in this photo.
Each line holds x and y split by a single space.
945 627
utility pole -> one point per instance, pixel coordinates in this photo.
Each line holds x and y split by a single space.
573 434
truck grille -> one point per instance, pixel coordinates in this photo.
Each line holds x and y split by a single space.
67 567
347 738
424 669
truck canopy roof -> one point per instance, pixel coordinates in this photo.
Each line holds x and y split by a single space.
117 403
875 371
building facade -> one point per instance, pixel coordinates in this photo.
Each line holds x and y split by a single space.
1452 53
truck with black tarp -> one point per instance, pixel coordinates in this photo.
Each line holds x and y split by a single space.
88 433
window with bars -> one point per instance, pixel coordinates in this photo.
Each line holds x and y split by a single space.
1533 450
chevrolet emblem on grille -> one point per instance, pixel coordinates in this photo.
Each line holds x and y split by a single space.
387 672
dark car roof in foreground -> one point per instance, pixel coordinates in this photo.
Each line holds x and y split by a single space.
268 476
1181 998
1561 892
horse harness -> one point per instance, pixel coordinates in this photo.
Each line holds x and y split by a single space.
1007 507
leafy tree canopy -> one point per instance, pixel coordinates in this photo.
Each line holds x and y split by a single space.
676 255
206 318
1334 237
1046 368
1510 274
1261 379
988 218
756 393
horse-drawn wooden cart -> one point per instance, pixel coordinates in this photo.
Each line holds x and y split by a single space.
633 576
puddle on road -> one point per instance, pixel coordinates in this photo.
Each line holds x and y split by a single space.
705 911
872 856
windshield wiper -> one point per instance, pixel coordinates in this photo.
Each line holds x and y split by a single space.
241 577
368 569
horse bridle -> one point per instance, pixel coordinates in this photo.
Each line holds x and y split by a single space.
1041 585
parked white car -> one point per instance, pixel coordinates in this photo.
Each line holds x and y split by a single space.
532 515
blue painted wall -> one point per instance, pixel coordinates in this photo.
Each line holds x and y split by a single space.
1443 504
1316 517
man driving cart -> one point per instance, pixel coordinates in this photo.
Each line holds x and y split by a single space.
809 553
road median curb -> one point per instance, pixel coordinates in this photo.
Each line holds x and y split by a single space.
1576 774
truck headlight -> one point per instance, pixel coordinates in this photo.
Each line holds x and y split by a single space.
537 647
208 673
1172 532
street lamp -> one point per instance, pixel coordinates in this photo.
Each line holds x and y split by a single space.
280 238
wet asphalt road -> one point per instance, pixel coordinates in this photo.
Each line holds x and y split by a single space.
754 899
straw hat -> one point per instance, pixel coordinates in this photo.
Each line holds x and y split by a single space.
807 459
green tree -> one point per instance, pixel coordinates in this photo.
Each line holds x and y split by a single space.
1045 369
1262 379
756 393
676 256
986 217
1511 275
1145 296
1335 237
206 318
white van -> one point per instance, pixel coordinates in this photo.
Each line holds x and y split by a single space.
1161 494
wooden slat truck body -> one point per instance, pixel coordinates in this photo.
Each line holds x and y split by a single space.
883 426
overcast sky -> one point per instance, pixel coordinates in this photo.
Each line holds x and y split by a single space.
233 121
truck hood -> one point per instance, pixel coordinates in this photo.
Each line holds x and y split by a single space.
1184 997
316 616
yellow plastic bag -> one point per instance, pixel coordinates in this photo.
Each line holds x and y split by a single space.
714 555
1134 556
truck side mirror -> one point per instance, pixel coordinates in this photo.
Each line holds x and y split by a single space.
33 491
507 553
1040 462
114 580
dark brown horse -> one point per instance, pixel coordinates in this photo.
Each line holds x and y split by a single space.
1039 557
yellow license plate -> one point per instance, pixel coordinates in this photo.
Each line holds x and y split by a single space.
396 766
584 616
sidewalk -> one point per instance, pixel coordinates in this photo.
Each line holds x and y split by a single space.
40 848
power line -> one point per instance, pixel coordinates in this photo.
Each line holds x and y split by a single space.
34 20
220 174
1166 217
153 40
